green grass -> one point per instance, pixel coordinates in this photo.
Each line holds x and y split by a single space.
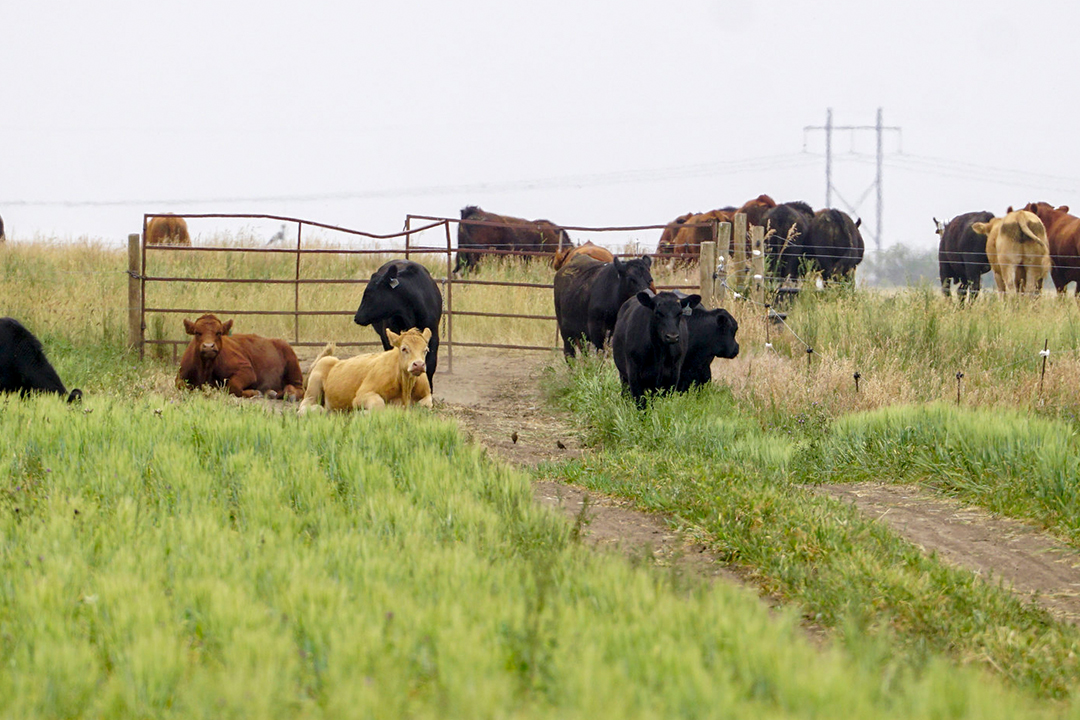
712 465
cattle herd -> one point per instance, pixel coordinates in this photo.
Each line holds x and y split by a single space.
659 341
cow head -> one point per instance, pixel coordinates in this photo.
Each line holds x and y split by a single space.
412 347
379 297
939 227
634 275
668 310
207 332
723 343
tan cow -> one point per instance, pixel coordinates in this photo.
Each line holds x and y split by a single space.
563 255
167 230
1017 249
373 380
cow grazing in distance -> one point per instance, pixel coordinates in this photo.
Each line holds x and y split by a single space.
834 243
710 334
479 231
696 229
1063 236
373 380
563 255
666 246
589 293
962 253
402 295
167 230
23 366
786 227
246 365
649 342
1017 249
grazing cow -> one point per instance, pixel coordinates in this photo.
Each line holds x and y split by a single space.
247 365
649 341
834 243
589 293
666 246
402 295
563 255
710 334
962 253
503 233
167 230
1063 235
373 380
23 366
1017 249
786 227
698 228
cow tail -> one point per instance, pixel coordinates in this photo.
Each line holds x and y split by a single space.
1025 229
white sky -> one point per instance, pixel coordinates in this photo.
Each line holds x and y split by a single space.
585 113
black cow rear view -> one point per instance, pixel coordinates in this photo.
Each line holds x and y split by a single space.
23 366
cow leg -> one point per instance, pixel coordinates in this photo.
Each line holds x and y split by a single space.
367 400
313 399
240 384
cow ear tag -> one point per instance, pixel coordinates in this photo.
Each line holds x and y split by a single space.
688 311
394 282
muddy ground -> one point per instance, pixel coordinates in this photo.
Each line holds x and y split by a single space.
496 398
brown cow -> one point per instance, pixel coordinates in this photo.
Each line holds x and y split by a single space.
666 246
167 230
698 228
596 252
1063 235
373 380
1017 249
755 210
248 365
502 232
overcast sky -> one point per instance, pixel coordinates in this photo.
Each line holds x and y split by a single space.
585 113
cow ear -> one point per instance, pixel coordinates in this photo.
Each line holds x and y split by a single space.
189 327
393 337
646 299
1063 208
858 222
690 301
226 329
648 261
981 228
426 333
1010 209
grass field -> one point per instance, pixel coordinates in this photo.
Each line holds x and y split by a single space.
168 554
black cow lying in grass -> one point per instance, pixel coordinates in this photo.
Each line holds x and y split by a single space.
23 366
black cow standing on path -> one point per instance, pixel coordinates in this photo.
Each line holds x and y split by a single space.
399 296
589 293
962 253
650 341
23 366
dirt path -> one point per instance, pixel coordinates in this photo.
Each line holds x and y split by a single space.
1035 565
496 397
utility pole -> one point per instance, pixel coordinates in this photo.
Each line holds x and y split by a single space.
879 128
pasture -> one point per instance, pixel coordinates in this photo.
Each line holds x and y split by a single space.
179 554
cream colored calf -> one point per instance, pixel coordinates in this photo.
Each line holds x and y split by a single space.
373 380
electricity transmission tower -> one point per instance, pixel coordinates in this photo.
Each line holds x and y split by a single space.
878 128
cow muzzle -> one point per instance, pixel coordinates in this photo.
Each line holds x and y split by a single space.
671 338
208 351
416 369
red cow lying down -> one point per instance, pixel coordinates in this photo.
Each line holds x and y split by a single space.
373 380
248 365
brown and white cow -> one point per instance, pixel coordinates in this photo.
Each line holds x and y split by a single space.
373 380
167 230
247 365
1017 249
563 255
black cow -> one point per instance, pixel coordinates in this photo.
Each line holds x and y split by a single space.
650 341
962 253
2 237
710 334
589 293
402 295
23 366
787 226
834 243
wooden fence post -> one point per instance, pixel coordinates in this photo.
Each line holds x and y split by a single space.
757 264
738 269
135 300
706 266
723 263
